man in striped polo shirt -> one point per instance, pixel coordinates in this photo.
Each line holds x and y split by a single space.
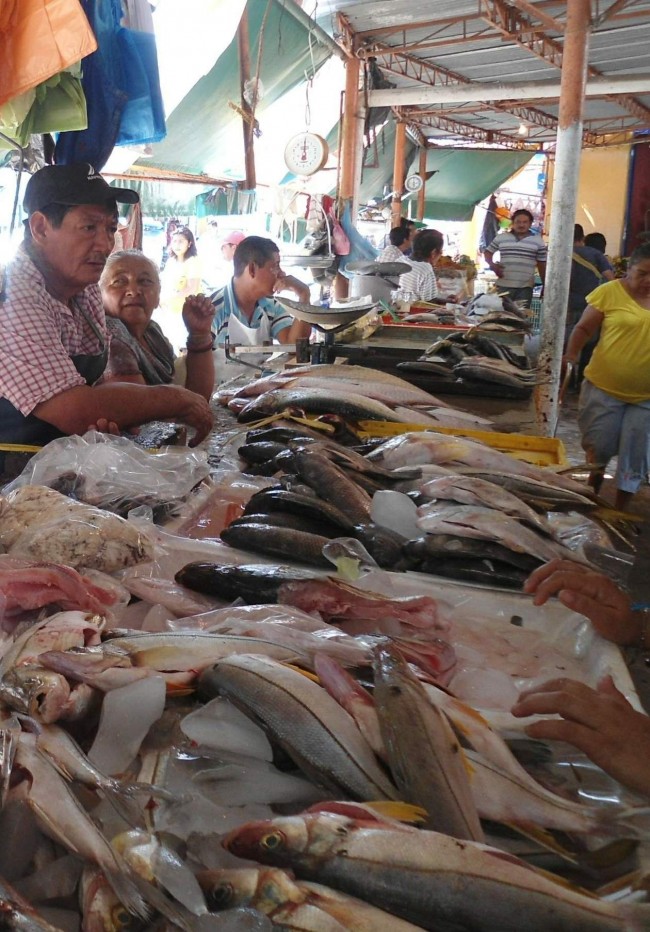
520 251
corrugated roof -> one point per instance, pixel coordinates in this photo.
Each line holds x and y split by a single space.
418 43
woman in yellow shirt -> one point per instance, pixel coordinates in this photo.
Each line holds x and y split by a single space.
614 409
181 277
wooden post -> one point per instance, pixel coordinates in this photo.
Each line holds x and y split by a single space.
351 136
563 211
398 173
422 169
243 47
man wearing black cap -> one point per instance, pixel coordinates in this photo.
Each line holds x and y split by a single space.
53 336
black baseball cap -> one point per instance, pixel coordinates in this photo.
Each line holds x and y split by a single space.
72 185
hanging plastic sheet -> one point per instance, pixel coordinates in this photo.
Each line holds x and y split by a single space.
122 89
57 104
40 38
360 247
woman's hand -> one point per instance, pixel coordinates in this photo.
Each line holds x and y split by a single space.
589 593
198 314
601 723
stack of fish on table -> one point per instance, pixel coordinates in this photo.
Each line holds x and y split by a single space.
473 357
313 733
353 392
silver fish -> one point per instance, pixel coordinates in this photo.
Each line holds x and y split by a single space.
311 726
424 756
437 882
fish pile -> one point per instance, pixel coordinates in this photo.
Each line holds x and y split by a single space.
473 357
126 803
352 392
497 312
484 526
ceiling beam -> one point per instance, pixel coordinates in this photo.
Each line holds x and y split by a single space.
468 130
517 28
548 21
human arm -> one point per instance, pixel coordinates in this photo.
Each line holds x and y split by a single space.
541 268
600 722
591 594
299 330
291 283
127 405
497 267
586 328
198 315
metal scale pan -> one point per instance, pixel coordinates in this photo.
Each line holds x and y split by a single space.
328 320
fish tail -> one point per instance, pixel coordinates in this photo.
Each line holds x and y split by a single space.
130 800
174 912
126 890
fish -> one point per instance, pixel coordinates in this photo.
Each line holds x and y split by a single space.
308 506
338 601
62 817
101 909
331 483
313 729
543 495
488 524
18 915
432 880
424 756
260 452
447 547
300 546
469 490
193 651
253 583
292 904
285 519
320 401
45 695
485 571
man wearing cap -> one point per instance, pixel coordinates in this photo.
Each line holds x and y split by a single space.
54 343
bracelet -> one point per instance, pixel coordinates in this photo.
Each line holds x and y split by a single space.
202 347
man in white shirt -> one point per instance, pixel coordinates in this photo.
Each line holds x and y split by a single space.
520 251
400 243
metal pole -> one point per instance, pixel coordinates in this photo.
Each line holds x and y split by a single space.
563 211
422 171
317 32
398 173
243 46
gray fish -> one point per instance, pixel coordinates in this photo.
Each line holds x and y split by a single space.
17 914
254 583
332 484
319 401
319 736
424 756
452 547
538 494
279 542
307 506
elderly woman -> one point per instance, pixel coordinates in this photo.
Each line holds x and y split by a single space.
139 351
614 408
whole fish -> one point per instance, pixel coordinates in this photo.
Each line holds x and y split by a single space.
303 719
308 506
101 910
454 547
285 519
17 914
45 695
254 583
468 490
332 484
545 496
300 546
437 882
291 904
424 755
320 401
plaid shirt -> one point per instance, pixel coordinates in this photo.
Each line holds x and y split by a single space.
39 334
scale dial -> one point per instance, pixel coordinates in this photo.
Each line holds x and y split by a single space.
306 153
413 183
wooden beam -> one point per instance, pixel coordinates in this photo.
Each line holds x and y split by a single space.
248 118
351 134
399 170
422 171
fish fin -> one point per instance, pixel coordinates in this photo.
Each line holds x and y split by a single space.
173 911
544 839
310 676
127 889
401 811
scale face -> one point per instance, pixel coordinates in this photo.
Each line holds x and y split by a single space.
413 183
306 153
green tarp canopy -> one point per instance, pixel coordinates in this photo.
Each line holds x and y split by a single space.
204 133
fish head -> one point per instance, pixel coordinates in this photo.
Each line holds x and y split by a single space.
100 907
306 839
37 692
263 888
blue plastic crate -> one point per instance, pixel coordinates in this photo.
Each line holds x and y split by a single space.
537 309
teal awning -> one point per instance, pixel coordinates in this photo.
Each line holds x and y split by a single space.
462 178
204 133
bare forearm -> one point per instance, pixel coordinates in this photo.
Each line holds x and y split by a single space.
299 330
200 373
579 336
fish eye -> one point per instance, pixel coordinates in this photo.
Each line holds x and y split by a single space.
221 895
122 918
271 841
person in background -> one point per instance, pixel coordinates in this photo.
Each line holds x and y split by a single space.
229 245
245 310
521 252
594 241
139 351
55 341
181 277
600 722
589 268
614 406
400 243
421 279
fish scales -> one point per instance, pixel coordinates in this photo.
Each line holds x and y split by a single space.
318 401
278 541
312 727
332 484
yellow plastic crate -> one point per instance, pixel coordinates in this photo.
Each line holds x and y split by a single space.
541 451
